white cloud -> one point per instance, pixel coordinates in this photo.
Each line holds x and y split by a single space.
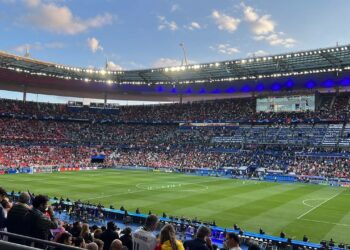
277 39
263 27
94 44
225 22
165 24
113 66
60 19
166 62
169 62
260 25
257 53
174 7
37 46
193 26
250 14
225 49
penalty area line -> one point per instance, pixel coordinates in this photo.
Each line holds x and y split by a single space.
312 209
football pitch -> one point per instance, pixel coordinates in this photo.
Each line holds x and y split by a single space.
320 212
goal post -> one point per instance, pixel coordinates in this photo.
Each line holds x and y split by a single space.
41 169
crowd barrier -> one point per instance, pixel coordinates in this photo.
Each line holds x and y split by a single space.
30 242
120 215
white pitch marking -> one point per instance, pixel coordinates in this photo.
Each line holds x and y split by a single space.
142 190
312 209
327 222
306 204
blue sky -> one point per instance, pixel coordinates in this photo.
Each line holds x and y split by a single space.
135 34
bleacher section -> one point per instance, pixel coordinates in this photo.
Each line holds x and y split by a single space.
345 137
332 135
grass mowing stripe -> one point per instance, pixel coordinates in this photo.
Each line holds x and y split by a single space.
256 207
255 204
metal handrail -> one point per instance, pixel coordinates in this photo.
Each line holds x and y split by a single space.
35 240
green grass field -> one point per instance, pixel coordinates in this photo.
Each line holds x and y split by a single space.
321 212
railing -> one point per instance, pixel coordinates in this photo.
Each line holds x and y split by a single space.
29 243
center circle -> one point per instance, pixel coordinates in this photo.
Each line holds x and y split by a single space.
178 186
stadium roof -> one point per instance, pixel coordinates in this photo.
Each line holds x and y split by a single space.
201 80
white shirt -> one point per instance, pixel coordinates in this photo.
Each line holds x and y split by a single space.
144 240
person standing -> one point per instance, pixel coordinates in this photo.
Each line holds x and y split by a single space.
37 222
168 239
16 216
202 240
3 195
143 238
232 241
109 235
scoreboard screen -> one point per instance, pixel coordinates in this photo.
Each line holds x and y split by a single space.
286 104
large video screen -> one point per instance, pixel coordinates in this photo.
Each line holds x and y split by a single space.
286 104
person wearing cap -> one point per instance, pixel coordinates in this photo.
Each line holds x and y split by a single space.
16 216
3 195
143 238
109 235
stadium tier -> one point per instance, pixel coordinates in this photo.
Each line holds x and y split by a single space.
214 134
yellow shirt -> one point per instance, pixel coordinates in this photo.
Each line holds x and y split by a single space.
167 246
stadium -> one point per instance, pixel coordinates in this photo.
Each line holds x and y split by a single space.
249 153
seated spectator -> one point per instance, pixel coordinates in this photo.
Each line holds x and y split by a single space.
126 238
202 240
92 246
117 245
85 233
79 242
99 243
16 217
109 235
168 239
97 233
76 229
65 238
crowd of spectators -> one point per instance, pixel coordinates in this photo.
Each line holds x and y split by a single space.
72 144
332 107
325 167
30 135
32 216
32 156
